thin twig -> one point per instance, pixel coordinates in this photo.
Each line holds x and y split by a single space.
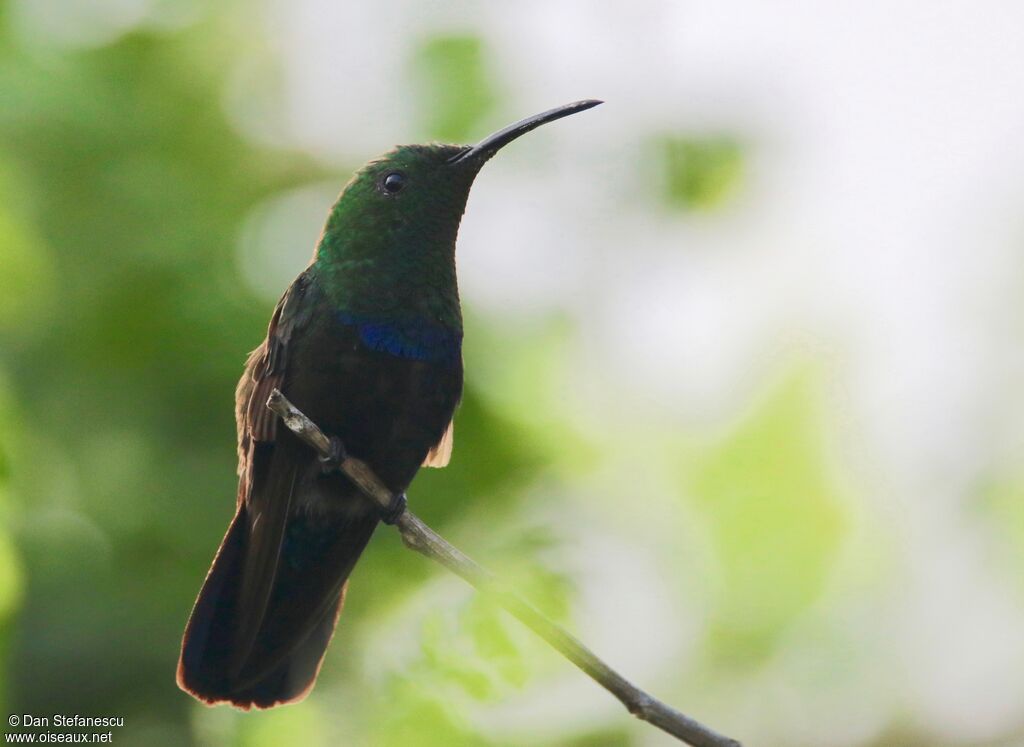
421 538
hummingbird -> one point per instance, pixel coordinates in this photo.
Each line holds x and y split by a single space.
367 341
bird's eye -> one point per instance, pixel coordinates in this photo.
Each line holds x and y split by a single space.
393 182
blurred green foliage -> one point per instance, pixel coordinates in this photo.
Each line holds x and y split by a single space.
454 87
124 322
27 286
1003 502
12 579
133 186
124 328
777 519
700 173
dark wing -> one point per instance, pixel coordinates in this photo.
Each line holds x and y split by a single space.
265 485
265 371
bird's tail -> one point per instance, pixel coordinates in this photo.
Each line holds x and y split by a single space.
279 664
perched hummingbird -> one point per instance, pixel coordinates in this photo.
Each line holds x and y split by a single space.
368 343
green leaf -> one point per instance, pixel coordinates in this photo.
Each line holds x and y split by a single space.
776 517
27 282
1003 502
453 86
701 173
303 724
421 717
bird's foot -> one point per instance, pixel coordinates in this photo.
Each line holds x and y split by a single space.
394 511
336 455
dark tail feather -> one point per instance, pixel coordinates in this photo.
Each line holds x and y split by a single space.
298 625
295 675
206 647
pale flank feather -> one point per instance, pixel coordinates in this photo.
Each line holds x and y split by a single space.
441 454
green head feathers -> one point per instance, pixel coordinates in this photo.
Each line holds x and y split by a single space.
387 251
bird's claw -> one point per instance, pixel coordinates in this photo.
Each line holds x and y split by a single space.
330 463
394 511
336 455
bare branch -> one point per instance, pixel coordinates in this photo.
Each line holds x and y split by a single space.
421 538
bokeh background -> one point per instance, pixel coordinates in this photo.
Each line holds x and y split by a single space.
744 348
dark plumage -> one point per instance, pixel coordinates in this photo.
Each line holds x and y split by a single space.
367 342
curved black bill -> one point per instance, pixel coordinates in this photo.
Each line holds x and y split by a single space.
493 143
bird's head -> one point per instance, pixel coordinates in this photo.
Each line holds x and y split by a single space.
388 248
415 195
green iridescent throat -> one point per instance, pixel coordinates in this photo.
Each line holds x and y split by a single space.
391 257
